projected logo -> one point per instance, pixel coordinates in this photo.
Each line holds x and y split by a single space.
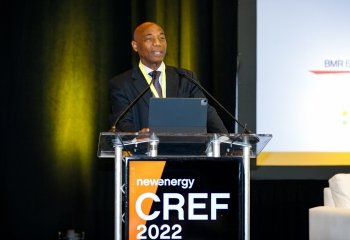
339 66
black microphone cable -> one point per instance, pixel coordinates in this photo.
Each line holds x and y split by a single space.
183 74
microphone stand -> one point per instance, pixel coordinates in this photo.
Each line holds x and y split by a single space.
113 128
183 74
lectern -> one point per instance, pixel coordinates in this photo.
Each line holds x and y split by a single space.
181 186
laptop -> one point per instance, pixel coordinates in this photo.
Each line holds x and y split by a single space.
178 115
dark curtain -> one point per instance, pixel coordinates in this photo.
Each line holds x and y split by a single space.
56 60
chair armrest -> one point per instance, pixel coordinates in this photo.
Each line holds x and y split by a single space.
329 223
328 197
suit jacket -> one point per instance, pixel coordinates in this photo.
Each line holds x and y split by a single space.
125 87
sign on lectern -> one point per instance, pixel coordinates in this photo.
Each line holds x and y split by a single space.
184 198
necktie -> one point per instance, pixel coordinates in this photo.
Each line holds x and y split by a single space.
155 75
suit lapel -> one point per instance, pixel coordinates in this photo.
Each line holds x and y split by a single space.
172 82
140 83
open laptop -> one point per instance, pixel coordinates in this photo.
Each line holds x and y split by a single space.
178 115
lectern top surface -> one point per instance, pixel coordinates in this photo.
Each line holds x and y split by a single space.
184 144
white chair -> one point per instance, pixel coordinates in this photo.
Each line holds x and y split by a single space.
332 221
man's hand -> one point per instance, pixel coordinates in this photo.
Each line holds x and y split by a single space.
144 130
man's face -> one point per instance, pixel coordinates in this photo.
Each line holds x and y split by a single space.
150 43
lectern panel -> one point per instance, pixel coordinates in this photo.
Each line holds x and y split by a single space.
184 198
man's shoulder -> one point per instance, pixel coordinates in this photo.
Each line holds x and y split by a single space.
127 76
177 70
123 76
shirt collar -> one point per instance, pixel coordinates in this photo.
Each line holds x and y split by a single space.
148 70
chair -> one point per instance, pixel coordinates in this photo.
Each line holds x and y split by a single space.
332 221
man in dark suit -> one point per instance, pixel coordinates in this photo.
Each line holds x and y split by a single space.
150 44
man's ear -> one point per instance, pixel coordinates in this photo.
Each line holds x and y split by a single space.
134 45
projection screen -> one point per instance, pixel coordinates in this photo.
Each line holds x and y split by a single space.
303 82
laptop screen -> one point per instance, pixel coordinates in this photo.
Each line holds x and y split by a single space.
178 115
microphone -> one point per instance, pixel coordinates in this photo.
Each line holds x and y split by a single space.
113 128
182 73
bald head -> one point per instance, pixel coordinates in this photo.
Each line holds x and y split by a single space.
140 28
150 43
